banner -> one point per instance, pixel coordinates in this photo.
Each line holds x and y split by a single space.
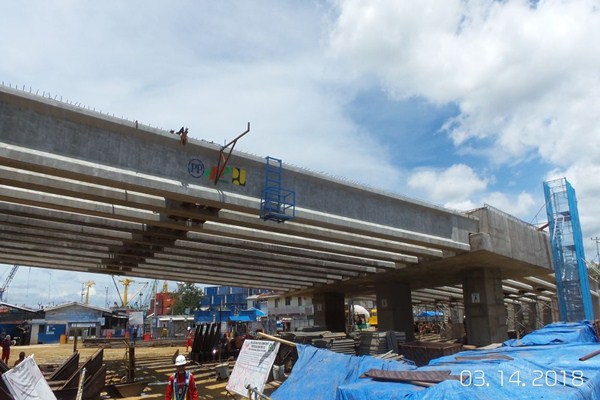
252 366
26 382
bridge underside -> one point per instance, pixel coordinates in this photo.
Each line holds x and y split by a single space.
67 211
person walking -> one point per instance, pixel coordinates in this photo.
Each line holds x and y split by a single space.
6 349
189 339
20 359
181 384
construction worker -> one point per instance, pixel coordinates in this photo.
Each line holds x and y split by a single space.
189 339
181 384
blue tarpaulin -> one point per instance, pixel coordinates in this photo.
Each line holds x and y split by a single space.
240 318
318 373
430 314
542 365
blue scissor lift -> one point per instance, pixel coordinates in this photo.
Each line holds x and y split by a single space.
276 204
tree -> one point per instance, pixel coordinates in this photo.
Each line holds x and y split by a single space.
188 296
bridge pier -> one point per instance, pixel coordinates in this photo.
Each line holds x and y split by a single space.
394 308
329 311
484 306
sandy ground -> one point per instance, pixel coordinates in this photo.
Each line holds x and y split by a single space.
153 364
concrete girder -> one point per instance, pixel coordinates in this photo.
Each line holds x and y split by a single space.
238 260
510 289
443 293
46 163
514 283
242 282
451 289
49 248
42 233
167 268
123 213
340 261
264 272
195 270
64 187
330 234
541 282
126 228
434 293
55 228
312 244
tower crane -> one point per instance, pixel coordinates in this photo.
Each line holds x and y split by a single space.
6 283
126 282
88 286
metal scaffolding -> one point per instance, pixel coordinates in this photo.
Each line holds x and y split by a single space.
573 288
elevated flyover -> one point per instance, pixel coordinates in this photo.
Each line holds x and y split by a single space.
84 191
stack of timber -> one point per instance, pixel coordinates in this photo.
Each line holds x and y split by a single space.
124 343
373 343
338 342
390 355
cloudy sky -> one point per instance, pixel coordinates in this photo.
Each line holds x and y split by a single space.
454 102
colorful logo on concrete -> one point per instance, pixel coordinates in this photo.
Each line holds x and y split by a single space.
196 168
231 175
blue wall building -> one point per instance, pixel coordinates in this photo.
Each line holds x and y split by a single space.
229 297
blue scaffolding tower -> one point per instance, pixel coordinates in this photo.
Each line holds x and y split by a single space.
276 204
573 288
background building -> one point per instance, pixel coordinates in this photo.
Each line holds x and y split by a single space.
229 298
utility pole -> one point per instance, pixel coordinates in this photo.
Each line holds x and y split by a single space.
597 240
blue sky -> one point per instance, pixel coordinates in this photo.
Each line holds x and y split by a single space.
457 103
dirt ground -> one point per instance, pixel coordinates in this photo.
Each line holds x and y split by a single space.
153 364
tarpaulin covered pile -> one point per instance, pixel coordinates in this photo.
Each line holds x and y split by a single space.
542 365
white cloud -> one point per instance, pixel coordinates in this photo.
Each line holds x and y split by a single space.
584 179
526 77
520 205
453 185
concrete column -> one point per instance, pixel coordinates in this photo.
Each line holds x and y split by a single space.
394 308
519 319
533 316
484 306
457 325
35 330
547 313
330 311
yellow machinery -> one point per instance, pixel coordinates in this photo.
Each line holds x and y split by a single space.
126 282
373 317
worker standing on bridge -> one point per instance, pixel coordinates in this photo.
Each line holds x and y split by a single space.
181 384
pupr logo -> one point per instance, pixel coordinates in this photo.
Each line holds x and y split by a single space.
196 168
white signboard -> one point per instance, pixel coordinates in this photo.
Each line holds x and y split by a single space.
252 366
26 382
136 318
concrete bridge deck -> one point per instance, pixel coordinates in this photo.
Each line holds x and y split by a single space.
83 191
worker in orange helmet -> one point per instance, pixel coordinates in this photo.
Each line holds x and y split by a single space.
181 384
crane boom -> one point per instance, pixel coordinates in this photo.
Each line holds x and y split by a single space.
6 283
